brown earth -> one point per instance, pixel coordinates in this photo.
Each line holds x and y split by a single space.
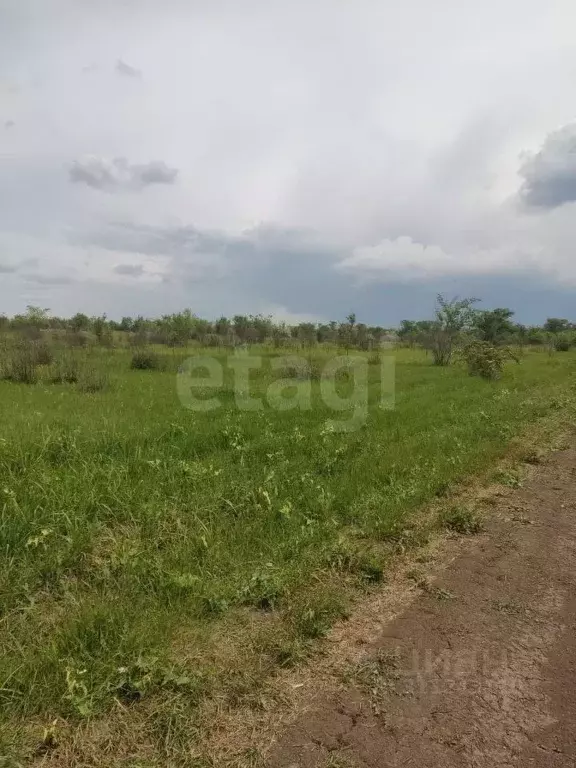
476 668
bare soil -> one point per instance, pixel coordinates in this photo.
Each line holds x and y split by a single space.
477 667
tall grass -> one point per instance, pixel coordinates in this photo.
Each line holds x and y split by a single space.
126 519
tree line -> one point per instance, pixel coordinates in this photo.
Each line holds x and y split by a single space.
453 320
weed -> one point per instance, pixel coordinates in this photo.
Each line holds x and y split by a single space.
509 478
262 591
510 607
314 618
353 559
461 520
378 676
441 594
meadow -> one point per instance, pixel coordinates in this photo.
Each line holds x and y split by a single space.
155 556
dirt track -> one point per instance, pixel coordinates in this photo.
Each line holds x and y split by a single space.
480 670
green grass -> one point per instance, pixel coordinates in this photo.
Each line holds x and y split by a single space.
128 521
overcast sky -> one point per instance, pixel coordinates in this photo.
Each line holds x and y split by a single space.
304 158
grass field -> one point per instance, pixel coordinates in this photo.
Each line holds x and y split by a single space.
154 556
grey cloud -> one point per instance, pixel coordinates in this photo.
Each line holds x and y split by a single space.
125 70
193 255
550 174
7 269
131 270
49 279
186 241
120 175
158 240
9 124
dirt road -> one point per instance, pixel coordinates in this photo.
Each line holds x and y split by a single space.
480 669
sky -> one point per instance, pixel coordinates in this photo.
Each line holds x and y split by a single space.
287 157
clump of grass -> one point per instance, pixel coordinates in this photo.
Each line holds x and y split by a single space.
145 360
313 617
22 360
354 559
303 371
20 367
375 358
509 478
66 370
461 520
42 352
93 380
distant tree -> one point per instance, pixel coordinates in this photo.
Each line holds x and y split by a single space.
126 324
241 325
80 322
222 326
307 334
34 317
494 325
556 325
536 336
452 318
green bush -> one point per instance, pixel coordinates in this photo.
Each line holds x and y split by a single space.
145 360
485 359
562 345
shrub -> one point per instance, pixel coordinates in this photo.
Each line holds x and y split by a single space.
485 359
77 338
562 345
145 360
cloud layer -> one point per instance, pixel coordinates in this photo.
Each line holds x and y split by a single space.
118 175
319 158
